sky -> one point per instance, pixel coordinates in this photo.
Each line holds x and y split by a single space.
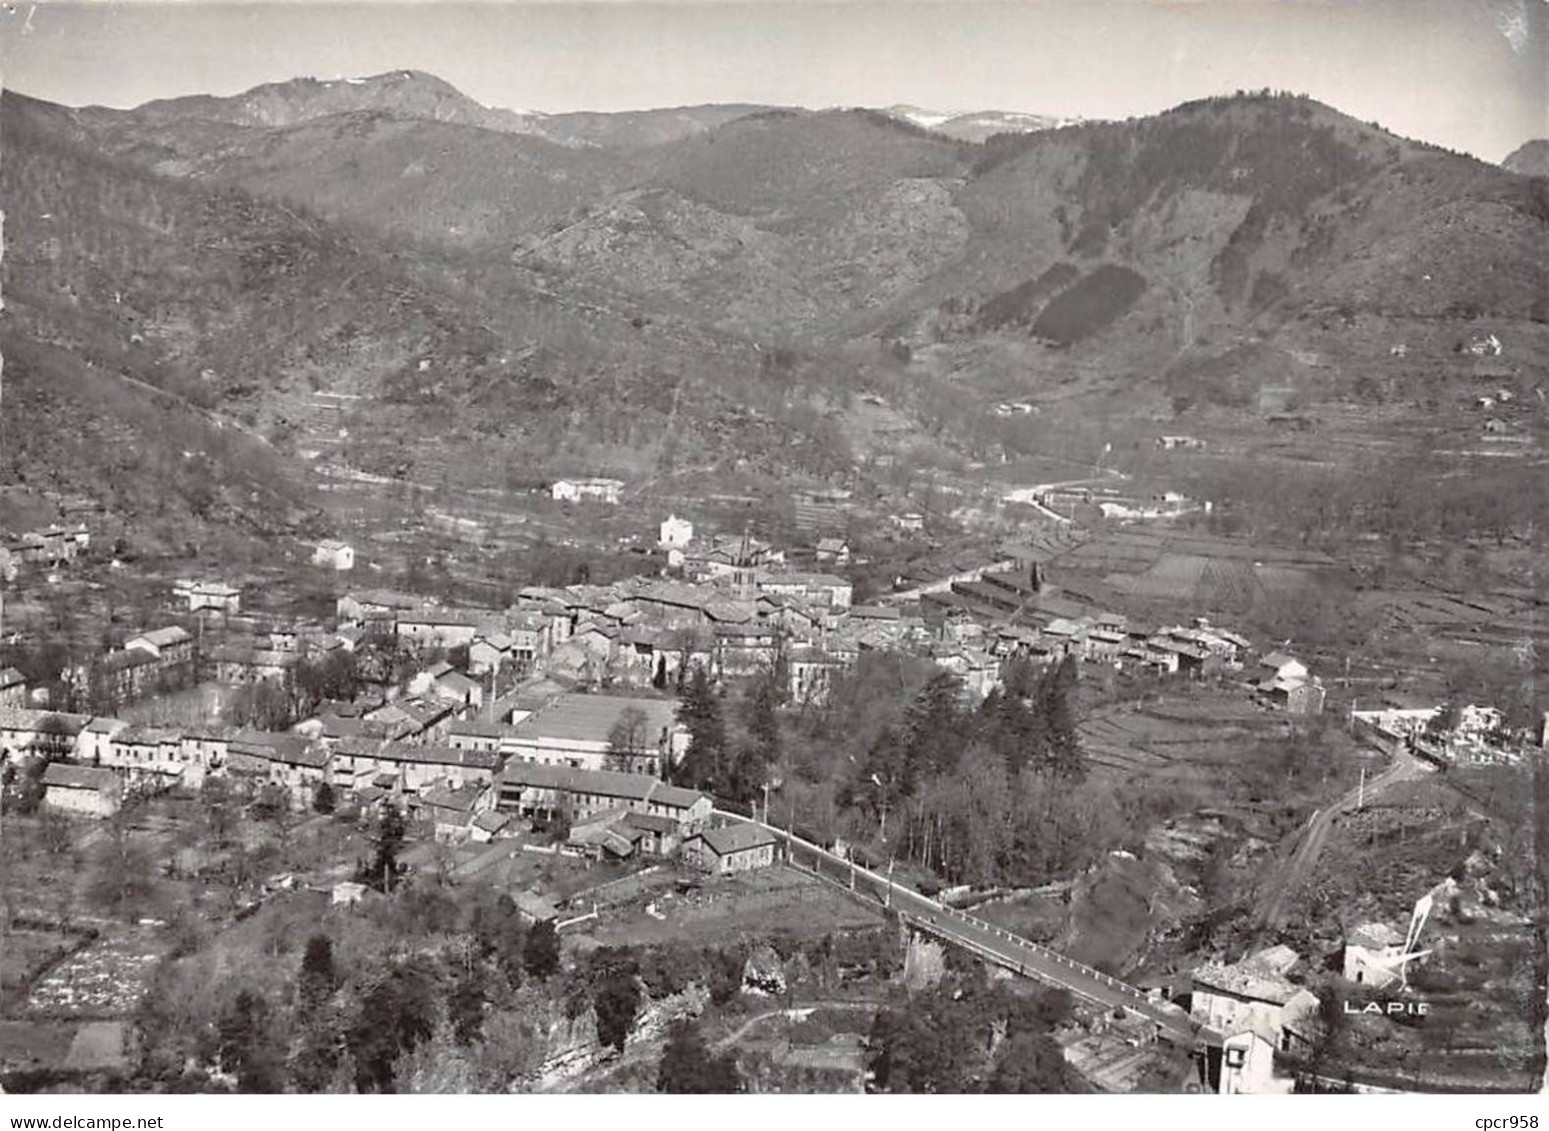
1466 74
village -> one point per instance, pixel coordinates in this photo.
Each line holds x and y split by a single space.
550 733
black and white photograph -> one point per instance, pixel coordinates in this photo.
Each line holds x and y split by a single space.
767 547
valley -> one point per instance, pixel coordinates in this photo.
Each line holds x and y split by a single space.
1043 509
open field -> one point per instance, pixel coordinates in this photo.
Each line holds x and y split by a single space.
771 901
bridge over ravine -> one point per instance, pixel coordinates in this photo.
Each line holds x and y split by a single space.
990 942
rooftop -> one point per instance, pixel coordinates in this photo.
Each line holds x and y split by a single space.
26 719
602 783
79 777
737 838
591 718
1244 980
164 637
1375 936
440 755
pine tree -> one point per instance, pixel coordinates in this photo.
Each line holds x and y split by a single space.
687 1067
933 730
246 1047
617 1001
465 1005
382 873
323 800
317 979
700 711
1064 757
540 954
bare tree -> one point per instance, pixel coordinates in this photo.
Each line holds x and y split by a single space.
628 739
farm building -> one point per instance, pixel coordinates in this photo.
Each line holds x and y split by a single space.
734 848
593 489
171 645
333 554
214 595
1371 955
84 791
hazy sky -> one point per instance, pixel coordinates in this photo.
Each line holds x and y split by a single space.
1468 74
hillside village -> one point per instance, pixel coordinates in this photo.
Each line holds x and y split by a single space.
563 723
746 598
548 680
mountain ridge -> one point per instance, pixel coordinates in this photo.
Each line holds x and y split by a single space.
724 292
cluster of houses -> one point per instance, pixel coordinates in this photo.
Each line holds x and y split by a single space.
1009 614
592 761
1066 500
208 594
1260 1010
590 489
149 659
585 725
47 548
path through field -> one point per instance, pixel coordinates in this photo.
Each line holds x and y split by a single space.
1275 896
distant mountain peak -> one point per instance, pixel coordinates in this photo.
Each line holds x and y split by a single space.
975 125
1530 159
406 93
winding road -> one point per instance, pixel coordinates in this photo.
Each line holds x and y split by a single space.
1304 858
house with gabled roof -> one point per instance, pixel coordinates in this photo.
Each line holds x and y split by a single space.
541 792
410 767
414 717
578 730
731 848
445 628
13 688
170 645
216 596
355 607
489 652
450 811
82 791
1230 997
489 825
26 730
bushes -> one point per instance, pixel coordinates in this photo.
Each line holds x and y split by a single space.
1090 306
1020 305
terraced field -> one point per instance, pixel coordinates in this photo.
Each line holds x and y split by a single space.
1177 737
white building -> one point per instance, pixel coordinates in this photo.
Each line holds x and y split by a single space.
579 731
595 489
1248 1065
334 554
208 595
675 532
1372 954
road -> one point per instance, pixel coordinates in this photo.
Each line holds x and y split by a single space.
1272 910
988 941
792 1013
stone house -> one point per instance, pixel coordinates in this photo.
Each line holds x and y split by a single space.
731 849
82 791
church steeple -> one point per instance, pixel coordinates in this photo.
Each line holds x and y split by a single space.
744 581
